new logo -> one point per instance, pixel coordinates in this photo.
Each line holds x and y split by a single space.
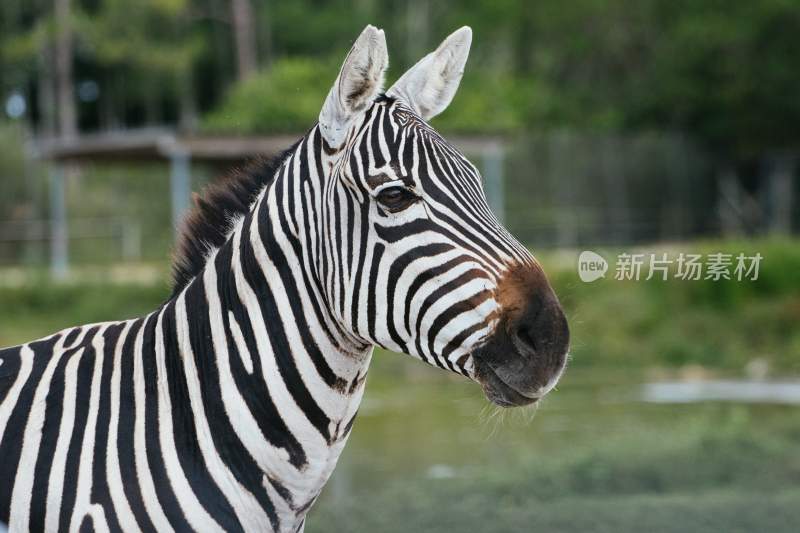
591 266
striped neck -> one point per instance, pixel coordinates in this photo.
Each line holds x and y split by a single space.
261 338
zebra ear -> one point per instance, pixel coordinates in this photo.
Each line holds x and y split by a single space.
429 86
360 80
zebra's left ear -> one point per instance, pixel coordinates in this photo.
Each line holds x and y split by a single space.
429 86
359 82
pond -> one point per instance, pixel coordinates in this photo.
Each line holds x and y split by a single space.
741 391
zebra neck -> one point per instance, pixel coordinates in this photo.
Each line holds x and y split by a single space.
285 379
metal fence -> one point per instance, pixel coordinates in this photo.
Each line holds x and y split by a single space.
556 189
573 189
568 189
106 238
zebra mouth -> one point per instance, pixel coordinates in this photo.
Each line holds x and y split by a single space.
498 391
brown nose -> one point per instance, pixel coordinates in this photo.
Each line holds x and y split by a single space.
528 350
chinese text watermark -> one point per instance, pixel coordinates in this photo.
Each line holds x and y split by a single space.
663 266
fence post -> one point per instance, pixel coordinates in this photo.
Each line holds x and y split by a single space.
59 232
493 158
780 183
131 240
180 186
564 151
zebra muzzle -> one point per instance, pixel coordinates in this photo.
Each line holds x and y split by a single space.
525 356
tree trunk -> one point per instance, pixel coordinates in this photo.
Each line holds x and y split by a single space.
187 108
46 96
265 35
152 102
67 116
244 37
109 118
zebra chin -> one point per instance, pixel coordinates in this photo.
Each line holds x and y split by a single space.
513 379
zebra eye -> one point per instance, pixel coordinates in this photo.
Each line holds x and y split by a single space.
396 198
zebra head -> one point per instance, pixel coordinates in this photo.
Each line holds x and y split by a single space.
419 263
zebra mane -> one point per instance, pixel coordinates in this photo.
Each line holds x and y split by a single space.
207 224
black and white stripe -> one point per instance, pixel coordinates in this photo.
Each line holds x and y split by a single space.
227 408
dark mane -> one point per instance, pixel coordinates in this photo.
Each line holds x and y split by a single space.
208 222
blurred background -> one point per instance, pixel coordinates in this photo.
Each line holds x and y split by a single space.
646 126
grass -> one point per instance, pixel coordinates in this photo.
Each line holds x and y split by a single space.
31 311
713 511
583 464
722 325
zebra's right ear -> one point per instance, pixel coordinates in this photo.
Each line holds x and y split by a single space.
359 82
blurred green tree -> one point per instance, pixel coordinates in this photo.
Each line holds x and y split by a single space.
726 72
729 72
145 51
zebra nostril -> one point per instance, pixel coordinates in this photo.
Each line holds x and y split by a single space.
524 340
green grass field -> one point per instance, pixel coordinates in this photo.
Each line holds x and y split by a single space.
425 456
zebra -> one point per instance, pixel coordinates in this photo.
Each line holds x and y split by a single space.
227 407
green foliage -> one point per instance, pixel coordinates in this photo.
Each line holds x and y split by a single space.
29 312
21 181
12 163
727 76
317 28
496 104
286 98
151 35
719 324
726 73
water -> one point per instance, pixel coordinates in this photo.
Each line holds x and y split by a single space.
738 391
